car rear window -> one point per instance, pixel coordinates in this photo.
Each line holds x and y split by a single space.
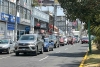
27 37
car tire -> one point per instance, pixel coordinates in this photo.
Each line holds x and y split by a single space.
55 45
51 49
0 52
17 53
58 45
41 52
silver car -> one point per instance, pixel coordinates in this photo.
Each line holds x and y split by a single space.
29 43
6 45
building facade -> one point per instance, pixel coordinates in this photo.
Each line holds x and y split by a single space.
7 17
61 23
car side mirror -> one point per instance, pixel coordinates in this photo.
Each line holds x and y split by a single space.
10 42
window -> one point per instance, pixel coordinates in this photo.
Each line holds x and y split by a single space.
28 14
5 6
24 13
21 12
12 8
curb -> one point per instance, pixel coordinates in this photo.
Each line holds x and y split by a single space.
82 63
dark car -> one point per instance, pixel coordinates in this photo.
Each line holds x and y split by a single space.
48 45
84 40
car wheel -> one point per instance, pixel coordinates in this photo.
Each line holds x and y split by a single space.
0 52
55 45
8 51
52 49
41 52
58 45
17 53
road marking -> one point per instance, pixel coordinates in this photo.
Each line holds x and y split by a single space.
43 58
4 57
58 52
66 48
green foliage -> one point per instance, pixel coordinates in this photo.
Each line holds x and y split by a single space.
83 9
34 3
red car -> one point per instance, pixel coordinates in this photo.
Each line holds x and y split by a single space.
61 40
84 40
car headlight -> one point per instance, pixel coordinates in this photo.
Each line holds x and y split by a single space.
5 46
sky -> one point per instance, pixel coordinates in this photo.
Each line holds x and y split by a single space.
51 9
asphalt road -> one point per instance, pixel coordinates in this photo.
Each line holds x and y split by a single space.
65 56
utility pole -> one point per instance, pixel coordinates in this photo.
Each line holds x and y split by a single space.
89 34
7 22
15 31
54 15
65 25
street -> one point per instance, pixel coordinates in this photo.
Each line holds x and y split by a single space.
64 56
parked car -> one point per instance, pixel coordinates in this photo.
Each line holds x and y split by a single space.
65 40
29 43
75 39
48 45
54 39
61 41
70 40
84 40
6 45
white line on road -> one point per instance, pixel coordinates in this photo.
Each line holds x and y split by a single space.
4 57
43 58
66 48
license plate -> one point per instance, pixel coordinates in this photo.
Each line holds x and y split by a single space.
24 49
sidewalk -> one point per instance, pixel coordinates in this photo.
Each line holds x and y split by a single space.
93 60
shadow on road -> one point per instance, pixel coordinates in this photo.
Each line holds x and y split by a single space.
23 55
85 45
74 64
79 54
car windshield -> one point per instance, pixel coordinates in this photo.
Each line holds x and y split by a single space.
27 37
4 41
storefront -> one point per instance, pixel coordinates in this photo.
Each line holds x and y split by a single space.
41 21
23 27
56 30
7 24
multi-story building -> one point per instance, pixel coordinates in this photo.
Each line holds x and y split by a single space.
7 17
61 22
